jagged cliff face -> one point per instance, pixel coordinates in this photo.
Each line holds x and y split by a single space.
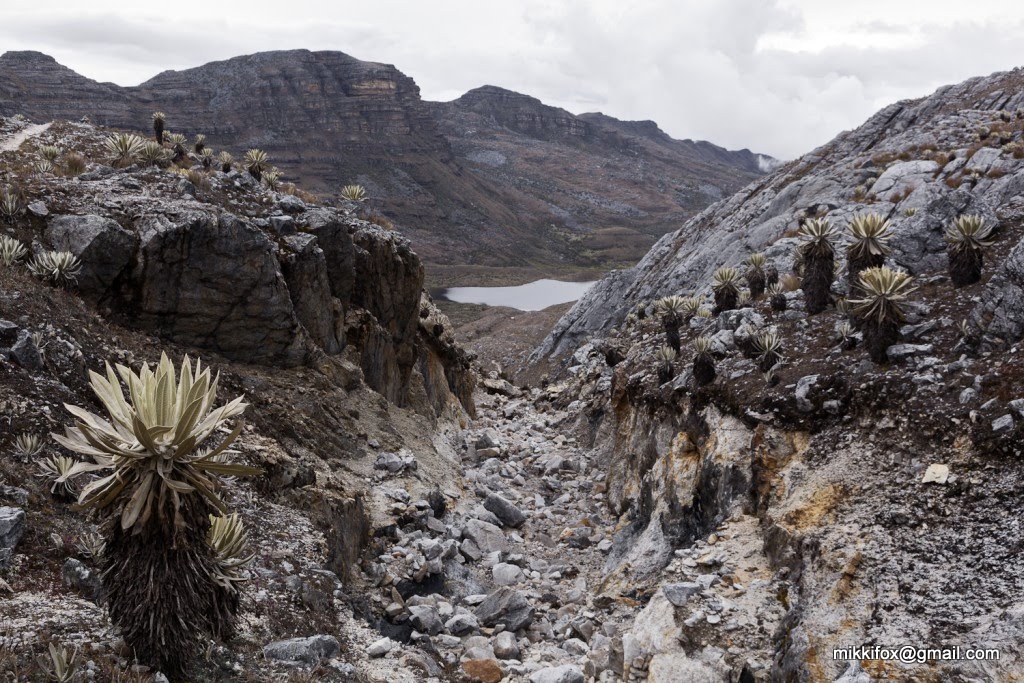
256 277
920 156
328 119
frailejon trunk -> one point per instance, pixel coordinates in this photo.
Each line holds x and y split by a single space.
159 590
817 285
854 266
879 337
725 300
671 325
964 265
703 370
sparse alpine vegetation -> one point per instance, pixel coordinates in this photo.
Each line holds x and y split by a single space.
880 310
123 149
158 487
966 238
354 193
726 285
817 253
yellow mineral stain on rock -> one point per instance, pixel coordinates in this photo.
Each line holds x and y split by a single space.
822 502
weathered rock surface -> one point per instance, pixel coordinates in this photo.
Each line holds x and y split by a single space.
309 650
103 246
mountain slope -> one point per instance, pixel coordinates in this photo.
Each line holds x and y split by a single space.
818 498
921 155
494 178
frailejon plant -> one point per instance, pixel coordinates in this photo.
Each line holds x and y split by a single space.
256 162
671 310
726 285
200 143
206 158
227 540
847 336
28 445
354 193
11 250
666 357
60 665
10 204
777 296
159 120
225 160
50 153
57 267
154 154
768 346
818 257
161 463
42 167
966 238
703 362
56 469
271 179
880 310
755 275
870 231
177 142
123 148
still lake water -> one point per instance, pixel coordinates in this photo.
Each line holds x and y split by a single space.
532 296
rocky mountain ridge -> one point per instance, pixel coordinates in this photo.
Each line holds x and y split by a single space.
464 185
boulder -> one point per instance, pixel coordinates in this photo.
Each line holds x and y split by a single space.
505 646
25 352
103 246
567 673
425 619
504 510
214 282
1000 313
505 606
309 650
487 537
12 528
81 579
483 670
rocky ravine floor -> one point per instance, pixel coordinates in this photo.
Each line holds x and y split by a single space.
521 556
519 581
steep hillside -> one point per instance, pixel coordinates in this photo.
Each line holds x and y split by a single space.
923 155
802 498
328 119
611 186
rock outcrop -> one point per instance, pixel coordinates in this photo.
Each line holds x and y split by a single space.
328 119
256 276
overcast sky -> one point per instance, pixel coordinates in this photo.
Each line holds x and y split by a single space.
775 76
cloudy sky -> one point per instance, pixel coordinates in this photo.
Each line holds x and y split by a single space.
775 76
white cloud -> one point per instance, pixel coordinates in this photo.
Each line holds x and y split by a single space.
775 76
